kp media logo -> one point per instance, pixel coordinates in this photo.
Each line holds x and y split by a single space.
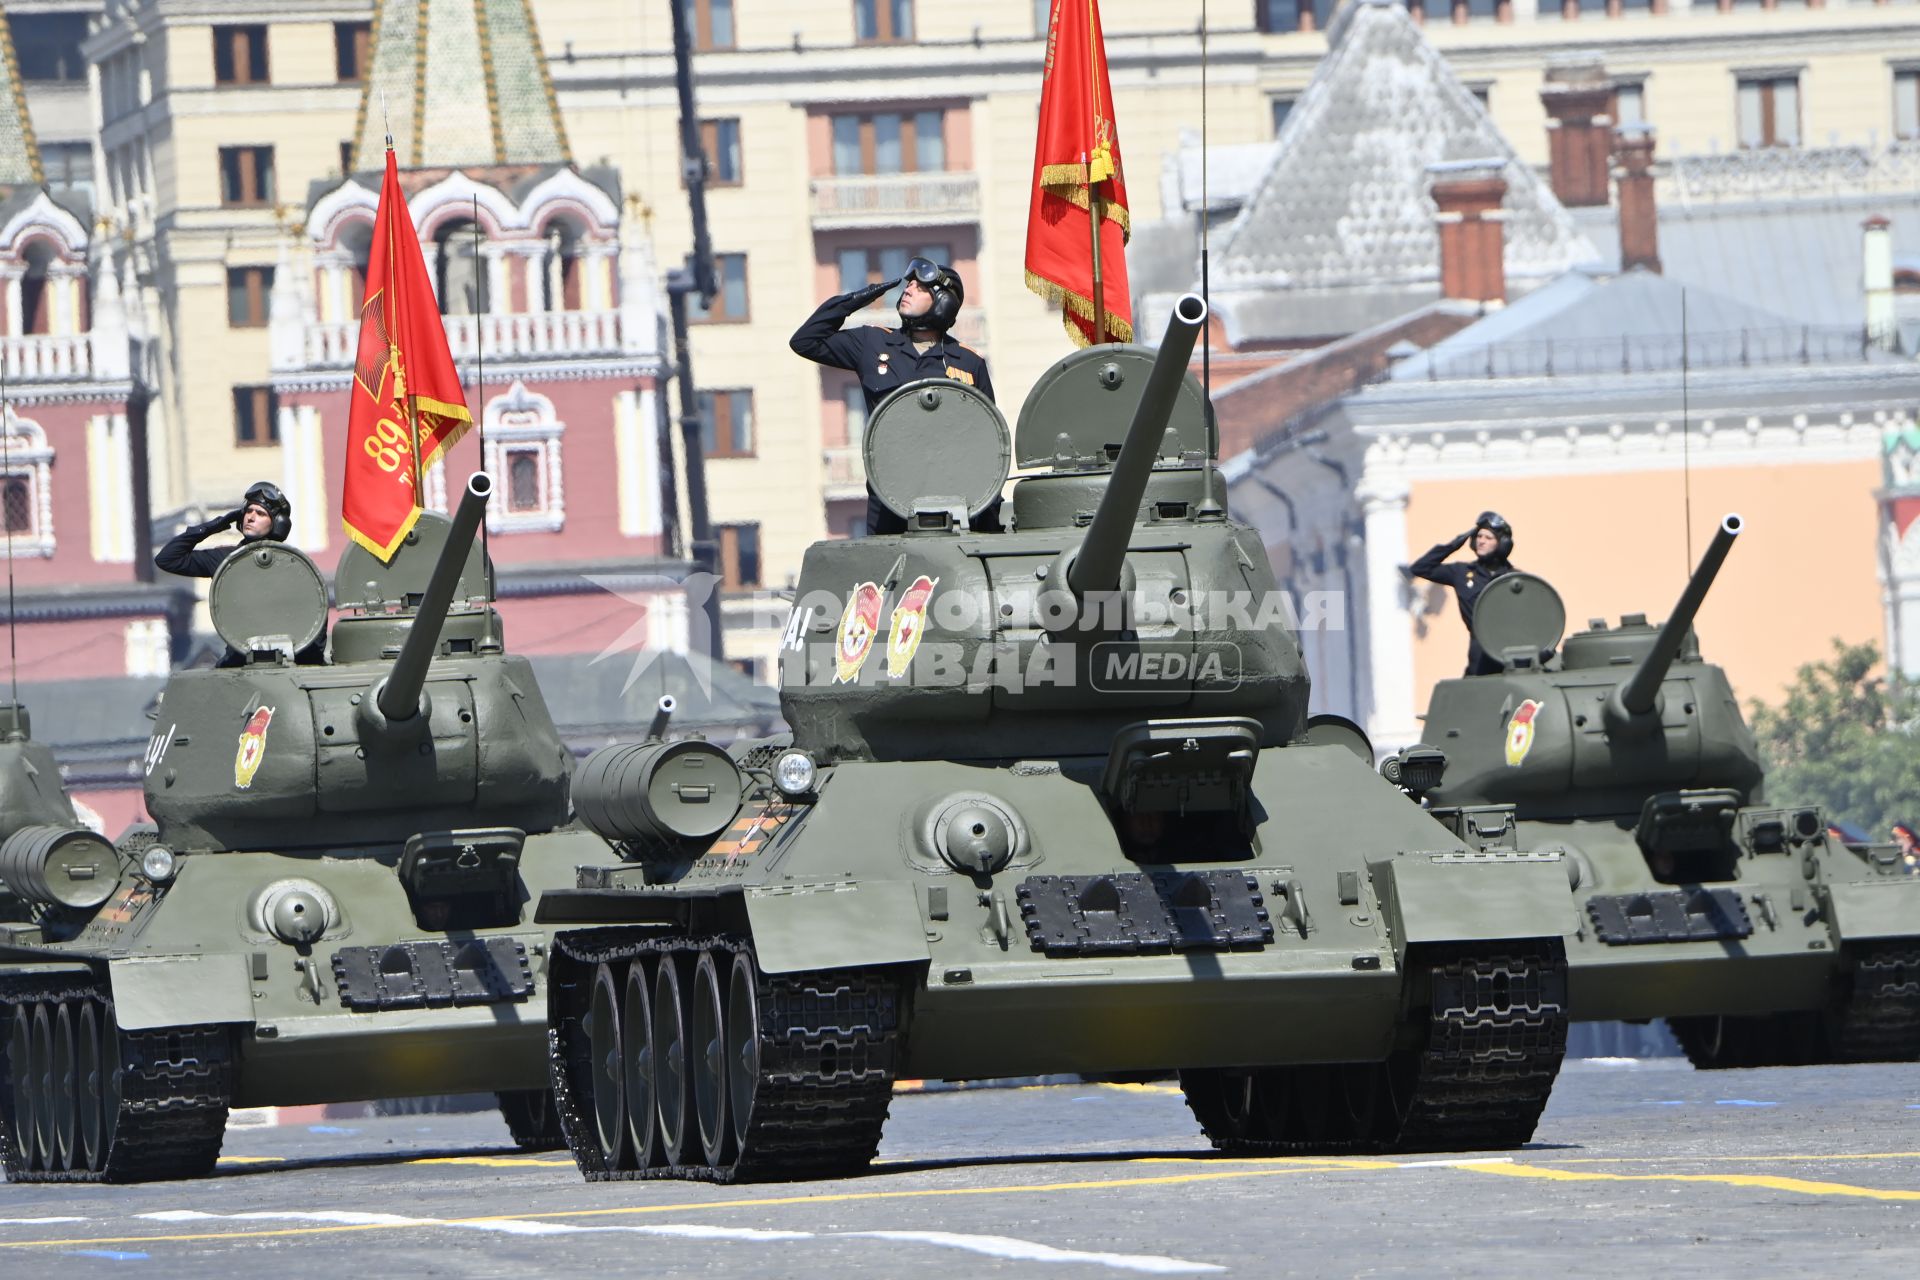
1128 666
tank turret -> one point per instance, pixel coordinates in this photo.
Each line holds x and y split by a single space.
1617 715
272 753
1120 593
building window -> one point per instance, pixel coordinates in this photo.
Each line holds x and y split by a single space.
882 21
1482 94
890 142
1769 111
352 42
240 55
726 424
721 140
523 480
522 444
739 555
730 298
1282 108
18 503
1906 103
246 175
862 267
346 156
462 270
1276 15
256 416
47 45
1630 103
1042 16
710 22
247 290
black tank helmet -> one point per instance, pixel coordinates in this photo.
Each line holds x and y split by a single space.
268 496
948 293
1496 524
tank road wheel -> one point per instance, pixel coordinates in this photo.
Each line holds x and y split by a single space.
20 1082
636 1066
607 1071
1369 1101
743 1046
111 1080
89 1068
707 1060
1713 1042
670 1065
1231 1106
1316 1117
41 1058
532 1119
64 1088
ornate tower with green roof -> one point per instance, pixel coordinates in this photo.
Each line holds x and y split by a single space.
460 84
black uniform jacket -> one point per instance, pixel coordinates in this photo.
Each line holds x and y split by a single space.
184 556
1468 580
885 360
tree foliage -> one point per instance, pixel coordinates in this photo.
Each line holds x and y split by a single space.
1846 739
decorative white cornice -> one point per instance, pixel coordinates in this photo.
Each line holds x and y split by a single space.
44 215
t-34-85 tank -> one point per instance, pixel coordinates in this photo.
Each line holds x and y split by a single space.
334 905
1761 939
1052 803
57 856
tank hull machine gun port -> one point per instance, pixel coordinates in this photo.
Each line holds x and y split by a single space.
1041 810
336 902
1701 899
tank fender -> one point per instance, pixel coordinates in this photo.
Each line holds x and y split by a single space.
835 925
172 991
1473 898
1874 909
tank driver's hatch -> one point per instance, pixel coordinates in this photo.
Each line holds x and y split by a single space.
1089 397
937 443
268 596
1519 619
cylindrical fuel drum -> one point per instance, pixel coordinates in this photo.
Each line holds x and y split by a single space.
60 866
657 792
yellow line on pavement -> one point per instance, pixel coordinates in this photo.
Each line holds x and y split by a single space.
1770 1182
1761 1159
252 1159
845 1197
495 1162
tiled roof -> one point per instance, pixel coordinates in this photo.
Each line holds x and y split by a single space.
460 83
1345 204
19 153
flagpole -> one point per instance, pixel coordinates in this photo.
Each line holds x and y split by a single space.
1093 193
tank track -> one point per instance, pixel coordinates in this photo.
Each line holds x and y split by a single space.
174 1087
829 1054
1495 1033
1872 1016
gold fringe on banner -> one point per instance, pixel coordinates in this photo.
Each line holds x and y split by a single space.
1074 192
1080 305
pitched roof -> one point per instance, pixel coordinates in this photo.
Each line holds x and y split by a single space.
1582 323
460 83
1344 202
19 152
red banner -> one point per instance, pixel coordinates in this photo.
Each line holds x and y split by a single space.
406 407
1076 169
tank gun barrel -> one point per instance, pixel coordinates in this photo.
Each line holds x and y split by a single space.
1102 554
400 692
1636 696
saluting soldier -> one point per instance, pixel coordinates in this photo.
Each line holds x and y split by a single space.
264 515
887 359
1492 539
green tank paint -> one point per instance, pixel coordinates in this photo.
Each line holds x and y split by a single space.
1051 802
336 902
1731 913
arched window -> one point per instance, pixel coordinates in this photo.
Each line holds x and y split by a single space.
17 503
523 439
462 270
523 479
562 262
36 298
357 242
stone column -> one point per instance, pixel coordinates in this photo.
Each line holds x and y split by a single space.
1387 678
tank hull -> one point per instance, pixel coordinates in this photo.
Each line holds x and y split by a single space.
1806 912
375 1006
1310 946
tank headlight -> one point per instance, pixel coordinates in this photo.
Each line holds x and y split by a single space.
158 864
794 774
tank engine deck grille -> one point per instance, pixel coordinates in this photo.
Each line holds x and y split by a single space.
1681 915
432 975
1144 913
